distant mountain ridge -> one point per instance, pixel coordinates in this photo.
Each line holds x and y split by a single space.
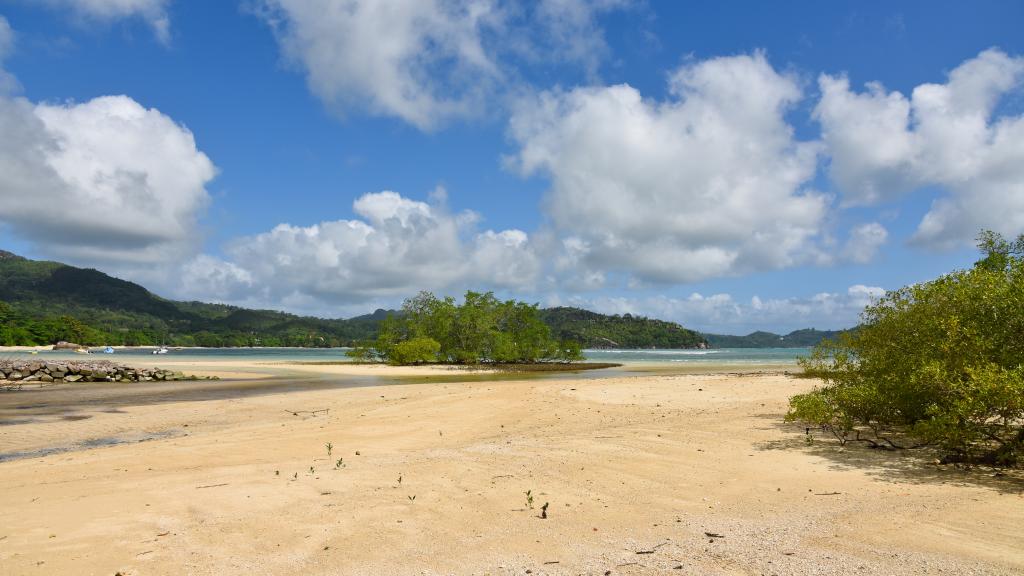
803 338
42 302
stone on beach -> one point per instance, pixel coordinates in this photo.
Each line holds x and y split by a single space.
23 371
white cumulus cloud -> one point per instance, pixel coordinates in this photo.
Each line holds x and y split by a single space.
429 61
707 183
724 314
8 83
884 144
153 12
209 278
395 248
420 60
568 30
106 181
864 242
6 38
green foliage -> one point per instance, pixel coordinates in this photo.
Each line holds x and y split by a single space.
419 350
364 352
940 363
569 351
481 329
595 330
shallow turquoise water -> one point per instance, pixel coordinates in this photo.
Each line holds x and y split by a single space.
739 356
742 356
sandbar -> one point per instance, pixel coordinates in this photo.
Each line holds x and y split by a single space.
649 473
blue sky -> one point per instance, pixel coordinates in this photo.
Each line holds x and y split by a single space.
727 165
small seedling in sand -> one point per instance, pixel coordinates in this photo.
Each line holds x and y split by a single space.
311 470
339 463
399 479
296 476
277 472
529 499
412 498
544 511
330 447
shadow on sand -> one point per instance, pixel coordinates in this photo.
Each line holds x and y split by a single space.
917 466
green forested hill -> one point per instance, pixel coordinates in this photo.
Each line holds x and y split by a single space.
43 302
595 330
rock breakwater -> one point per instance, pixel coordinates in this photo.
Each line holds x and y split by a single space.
40 372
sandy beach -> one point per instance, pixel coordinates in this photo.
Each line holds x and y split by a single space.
640 474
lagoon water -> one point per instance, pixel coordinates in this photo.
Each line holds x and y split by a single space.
738 356
717 356
249 372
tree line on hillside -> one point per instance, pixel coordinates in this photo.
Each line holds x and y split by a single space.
595 330
25 326
939 364
482 329
49 301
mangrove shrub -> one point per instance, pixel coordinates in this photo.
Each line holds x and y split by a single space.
481 329
939 363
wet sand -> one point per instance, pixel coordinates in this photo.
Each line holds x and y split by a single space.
650 473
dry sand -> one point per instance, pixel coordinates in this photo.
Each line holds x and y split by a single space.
6 349
636 472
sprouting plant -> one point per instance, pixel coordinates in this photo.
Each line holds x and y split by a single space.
529 499
311 470
330 447
296 476
544 510
412 498
399 479
339 463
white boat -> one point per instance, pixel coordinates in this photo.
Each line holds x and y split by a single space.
108 350
160 350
